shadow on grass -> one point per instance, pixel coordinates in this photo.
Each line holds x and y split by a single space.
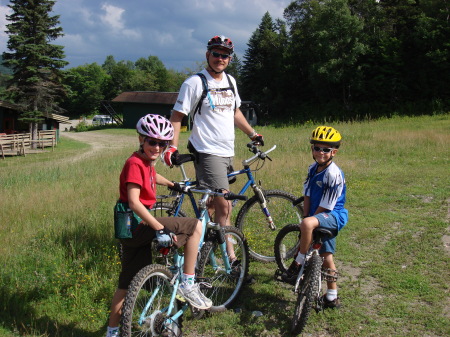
21 294
261 296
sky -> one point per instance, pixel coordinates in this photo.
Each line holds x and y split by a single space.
176 31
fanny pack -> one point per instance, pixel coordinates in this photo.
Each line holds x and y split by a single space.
125 221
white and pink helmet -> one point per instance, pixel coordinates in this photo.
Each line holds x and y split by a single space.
155 126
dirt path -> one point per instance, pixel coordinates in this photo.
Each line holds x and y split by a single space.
98 141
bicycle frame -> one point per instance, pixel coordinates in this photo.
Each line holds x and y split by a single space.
178 259
318 233
246 170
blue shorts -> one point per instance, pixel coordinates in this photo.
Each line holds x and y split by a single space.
328 221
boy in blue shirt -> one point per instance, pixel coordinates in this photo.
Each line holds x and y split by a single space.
324 191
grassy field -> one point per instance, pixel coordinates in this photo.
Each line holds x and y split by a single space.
59 263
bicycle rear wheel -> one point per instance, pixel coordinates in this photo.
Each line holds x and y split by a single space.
252 221
286 246
307 295
226 286
145 310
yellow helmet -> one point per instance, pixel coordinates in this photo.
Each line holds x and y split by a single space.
326 135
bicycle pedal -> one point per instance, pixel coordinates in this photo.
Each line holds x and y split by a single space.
180 298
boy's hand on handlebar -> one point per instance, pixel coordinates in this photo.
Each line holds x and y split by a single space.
165 237
170 156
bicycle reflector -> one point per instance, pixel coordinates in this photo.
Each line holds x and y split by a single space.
317 245
164 250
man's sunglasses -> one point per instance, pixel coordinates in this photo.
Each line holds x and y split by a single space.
322 149
153 142
222 56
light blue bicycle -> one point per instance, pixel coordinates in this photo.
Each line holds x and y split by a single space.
151 307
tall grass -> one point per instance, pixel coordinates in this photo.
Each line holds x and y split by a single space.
59 263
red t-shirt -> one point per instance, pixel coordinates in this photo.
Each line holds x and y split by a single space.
139 172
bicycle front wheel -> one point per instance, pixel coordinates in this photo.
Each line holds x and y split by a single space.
225 284
145 311
164 209
308 294
253 223
287 244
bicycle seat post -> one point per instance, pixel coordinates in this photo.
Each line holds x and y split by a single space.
183 172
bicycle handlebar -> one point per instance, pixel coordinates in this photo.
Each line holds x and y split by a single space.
226 195
258 153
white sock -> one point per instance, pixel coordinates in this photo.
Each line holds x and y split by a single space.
188 280
300 259
111 330
331 294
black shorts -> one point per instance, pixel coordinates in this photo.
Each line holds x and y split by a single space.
137 252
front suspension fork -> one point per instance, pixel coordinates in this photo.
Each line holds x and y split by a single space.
263 203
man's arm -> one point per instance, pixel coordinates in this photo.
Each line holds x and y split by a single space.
241 122
176 119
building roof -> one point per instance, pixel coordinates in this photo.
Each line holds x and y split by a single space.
8 105
17 108
147 97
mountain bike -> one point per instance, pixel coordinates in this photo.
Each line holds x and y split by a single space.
308 285
260 216
151 307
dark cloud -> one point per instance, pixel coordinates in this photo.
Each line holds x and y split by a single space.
174 30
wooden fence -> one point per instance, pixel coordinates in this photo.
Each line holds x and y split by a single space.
21 143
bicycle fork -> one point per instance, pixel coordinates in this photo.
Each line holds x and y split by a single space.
263 204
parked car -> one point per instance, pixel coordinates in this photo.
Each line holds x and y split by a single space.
102 120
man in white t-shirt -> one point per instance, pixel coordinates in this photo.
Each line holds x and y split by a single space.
214 119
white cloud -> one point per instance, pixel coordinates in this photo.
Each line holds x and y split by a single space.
113 19
112 16
4 10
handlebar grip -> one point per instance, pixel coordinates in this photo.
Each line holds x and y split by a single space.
298 201
233 196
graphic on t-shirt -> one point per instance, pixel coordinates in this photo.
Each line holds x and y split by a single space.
222 99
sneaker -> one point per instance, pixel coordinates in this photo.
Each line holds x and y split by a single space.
194 296
290 275
334 304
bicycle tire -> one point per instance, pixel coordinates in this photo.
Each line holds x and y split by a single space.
307 295
251 220
225 287
164 209
150 279
287 244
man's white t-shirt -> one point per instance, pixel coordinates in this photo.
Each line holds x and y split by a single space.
213 128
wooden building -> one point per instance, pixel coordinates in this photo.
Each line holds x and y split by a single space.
10 123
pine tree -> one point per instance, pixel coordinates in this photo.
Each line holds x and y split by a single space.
36 82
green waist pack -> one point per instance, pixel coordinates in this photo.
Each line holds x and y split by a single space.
125 221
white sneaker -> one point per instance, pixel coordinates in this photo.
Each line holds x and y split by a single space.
194 296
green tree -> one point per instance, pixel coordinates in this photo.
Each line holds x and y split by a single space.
35 62
328 41
86 85
154 69
263 69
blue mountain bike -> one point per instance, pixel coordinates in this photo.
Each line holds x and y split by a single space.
261 217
